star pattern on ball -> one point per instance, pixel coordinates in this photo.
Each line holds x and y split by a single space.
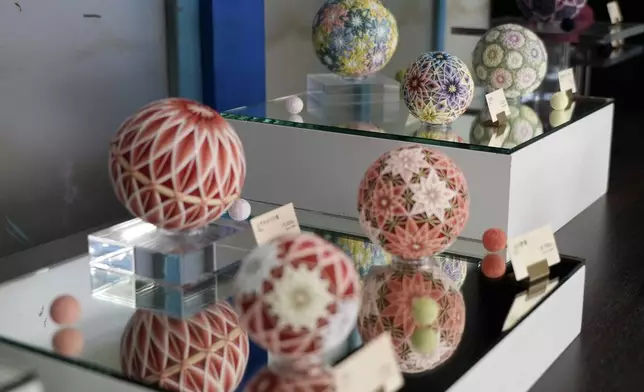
177 164
288 309
550 10
388 298
413 201
438 88
206 352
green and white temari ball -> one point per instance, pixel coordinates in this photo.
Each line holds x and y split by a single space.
510 57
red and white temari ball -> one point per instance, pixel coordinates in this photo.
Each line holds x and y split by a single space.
177 164
319 379
421 308
414 202
297 295
207 352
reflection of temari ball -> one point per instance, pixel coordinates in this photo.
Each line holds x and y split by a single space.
438 88
550 10
177 164
207 352
364 253
424 314
413 201
454 268
313 379
362 126
447 136
510 57
297 295
354 38
524 125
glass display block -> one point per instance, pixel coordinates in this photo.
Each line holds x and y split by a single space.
136 264
532 115
330 88
495 308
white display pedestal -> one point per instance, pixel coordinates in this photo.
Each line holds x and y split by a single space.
549 180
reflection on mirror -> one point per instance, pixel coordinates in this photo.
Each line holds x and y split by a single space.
523 125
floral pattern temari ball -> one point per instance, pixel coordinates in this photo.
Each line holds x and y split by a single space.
297 295
354 38
438 88
177 164
550 10
422 310
207 352
512 58
414 202
313 379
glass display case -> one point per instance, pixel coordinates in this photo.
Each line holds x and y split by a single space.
518 176
507 323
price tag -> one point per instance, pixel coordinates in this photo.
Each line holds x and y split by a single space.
498 138
614 12
523 304
374 367
567 81
531 248
273 224
496 103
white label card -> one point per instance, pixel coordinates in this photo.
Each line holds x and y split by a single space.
498 138
614 12
373 367
496 103
531 248
567 81
275 223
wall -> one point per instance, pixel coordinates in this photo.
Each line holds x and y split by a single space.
465 13
70 72
289 52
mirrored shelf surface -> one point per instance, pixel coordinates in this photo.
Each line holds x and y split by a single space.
375 116
493 309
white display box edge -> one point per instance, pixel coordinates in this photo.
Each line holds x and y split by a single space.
321 171
524 355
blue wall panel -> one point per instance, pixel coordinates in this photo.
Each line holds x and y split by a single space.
233 53
184 49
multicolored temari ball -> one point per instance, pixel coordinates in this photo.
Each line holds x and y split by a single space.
438 88
297 295
354 38
414 202
550 10
512 58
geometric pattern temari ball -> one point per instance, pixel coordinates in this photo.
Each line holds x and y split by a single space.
414 202
297 296
177 164
550 10
512 58
207 352
438 88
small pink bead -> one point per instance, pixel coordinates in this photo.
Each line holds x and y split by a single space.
65 310
68 342
494 240
493 266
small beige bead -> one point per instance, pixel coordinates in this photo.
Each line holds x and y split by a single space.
559 100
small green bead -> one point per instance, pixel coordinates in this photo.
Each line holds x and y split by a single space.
425 340
400 75
424 310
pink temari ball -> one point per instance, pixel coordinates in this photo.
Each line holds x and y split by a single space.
177 164
317 379
297 295
422 310
494 240
207 352
414 202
